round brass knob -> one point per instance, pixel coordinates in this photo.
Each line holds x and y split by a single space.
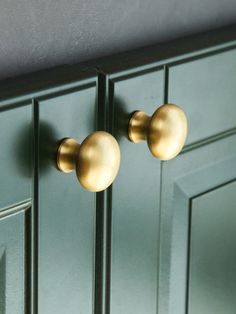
96 161
165 131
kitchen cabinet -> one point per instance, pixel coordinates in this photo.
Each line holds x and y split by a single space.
160 239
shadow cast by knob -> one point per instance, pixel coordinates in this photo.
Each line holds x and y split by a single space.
121 119
26 147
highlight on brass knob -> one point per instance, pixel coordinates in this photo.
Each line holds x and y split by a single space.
165 131
96 160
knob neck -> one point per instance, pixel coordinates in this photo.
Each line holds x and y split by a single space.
67 155
138 126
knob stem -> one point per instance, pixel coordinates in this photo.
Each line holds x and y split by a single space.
138 126
67 154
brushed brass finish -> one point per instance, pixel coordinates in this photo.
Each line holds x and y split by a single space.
138 126
66 155
96 160
165 131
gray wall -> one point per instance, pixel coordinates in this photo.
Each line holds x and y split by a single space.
37 34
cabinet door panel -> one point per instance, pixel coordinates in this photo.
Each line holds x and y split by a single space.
135 200
205 89
212 261
15 155
66 210
12 262
187 184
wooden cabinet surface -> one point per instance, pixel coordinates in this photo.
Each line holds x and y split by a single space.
161 238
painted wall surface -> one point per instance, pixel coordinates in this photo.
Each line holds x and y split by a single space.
41 34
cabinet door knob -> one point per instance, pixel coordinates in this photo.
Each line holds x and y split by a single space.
96 160
165 131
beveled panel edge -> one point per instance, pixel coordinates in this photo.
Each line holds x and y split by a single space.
228 171
66 89
15 208
186 192
208 140
133 72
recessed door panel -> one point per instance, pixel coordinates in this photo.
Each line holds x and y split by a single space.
12 261
190 214
212 261
66 209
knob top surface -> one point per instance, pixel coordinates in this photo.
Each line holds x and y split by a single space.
98 161
167 131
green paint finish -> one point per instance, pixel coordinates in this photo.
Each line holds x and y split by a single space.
212 282
135 200
15 155
185 177
205 89
66 210
2 280
145 227
12 264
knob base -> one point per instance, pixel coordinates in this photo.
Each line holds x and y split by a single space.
66 155
138 126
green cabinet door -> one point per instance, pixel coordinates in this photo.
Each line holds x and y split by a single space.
197 196
160 240
66 210
151 269
134 197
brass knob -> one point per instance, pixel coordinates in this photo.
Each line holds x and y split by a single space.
96 161
165 131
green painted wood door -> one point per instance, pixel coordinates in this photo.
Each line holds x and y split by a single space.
66 210
47 220
151 240
134 199
161 238
195 254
